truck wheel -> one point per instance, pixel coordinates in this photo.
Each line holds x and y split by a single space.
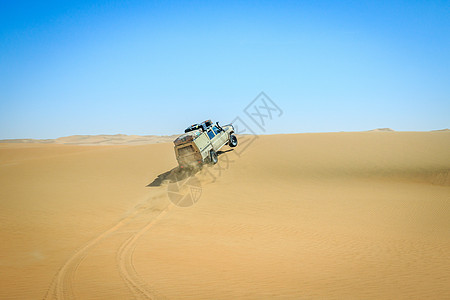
213 157
233 140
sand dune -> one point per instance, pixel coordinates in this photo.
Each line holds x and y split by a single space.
102 139
382 129
362 215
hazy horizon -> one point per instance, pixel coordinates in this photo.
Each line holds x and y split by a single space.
181 132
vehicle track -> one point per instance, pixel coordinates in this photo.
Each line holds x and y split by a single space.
134 282
62 284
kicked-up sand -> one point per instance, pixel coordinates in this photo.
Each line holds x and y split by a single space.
363 215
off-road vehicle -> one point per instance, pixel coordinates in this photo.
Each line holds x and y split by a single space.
200 143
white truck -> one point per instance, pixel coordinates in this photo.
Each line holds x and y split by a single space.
200 143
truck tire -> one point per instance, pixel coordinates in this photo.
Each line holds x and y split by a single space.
233 141
213 157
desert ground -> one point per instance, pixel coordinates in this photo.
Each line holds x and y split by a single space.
360 215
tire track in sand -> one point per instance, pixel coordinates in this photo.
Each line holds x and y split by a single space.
134 282
62 284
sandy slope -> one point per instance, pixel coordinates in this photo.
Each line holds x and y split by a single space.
314 216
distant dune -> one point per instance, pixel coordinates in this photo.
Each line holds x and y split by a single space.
295 216
117 139
382 129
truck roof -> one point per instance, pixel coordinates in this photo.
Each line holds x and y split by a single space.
187 137
202 126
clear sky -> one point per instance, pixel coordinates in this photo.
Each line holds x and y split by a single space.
155 67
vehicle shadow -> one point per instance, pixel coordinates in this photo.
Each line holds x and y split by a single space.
223 152
174 175
177 174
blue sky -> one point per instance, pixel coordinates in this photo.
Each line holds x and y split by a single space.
155 67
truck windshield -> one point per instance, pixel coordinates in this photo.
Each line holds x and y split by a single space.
216 130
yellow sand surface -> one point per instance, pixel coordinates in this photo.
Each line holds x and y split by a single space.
363 215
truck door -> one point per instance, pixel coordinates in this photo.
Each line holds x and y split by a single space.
214 139
221 136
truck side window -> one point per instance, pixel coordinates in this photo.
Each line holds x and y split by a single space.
210 134
216 130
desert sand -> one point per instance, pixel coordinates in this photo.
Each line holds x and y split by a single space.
362 215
